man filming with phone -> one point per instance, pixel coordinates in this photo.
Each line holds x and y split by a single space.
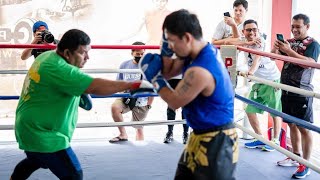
305 48
231 27
42 35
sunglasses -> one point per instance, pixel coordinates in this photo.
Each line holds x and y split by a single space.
251 29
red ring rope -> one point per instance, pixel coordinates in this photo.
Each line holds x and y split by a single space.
261 53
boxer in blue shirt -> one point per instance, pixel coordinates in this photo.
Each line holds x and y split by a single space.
205 93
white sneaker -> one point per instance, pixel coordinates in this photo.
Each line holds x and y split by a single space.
288 162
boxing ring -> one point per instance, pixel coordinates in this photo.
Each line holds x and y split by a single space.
151 159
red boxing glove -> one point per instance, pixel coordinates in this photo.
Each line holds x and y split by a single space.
141 88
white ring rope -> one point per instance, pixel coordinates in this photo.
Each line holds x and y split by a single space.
278 148
115 124
97 71
285 87
132 123
172 122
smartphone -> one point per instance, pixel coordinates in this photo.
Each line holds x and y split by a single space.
280 37
226 14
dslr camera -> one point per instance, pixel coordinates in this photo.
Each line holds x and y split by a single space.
47 36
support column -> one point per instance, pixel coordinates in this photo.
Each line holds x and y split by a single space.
281 24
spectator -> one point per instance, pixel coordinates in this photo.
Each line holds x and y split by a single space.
262 67
171 115
139 107
231 27
38 28
305 48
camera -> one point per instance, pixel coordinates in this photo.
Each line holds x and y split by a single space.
47 36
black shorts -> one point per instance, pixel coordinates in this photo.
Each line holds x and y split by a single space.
298 106
210 155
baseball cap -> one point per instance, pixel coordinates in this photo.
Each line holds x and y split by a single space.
38 24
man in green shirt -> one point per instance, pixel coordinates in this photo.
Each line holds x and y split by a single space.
47 112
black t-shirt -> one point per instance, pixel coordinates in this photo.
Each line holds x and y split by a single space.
295 75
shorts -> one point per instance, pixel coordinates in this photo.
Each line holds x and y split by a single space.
297 106
265 95
210 155
139 113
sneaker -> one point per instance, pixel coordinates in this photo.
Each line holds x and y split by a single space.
301 172
185 138
269 148
254 144
168 138
288 162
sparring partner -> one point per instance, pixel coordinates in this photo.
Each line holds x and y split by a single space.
205 93
43 36
47 111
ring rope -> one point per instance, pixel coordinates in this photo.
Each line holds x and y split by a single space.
49 46
284 87
281 57
279 148
115 124
84 70
116 95
118 124
286 118
261 53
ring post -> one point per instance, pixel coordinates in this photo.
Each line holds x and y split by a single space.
229 57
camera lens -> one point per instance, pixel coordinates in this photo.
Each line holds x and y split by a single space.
49 38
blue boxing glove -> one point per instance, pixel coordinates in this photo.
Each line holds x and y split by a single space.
150 65
85 102
160 82
164 47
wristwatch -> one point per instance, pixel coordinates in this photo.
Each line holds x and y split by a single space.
149 106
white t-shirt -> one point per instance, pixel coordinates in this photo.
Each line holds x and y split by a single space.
267 68
223 30
142 101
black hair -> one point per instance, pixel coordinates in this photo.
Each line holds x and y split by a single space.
72 39
137 43
244 3
305 18
181 22
250 21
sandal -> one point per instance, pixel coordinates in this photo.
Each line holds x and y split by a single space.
117 139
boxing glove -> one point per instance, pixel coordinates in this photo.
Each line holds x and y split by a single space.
150 65
159 82
140 88
85 102
164 47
